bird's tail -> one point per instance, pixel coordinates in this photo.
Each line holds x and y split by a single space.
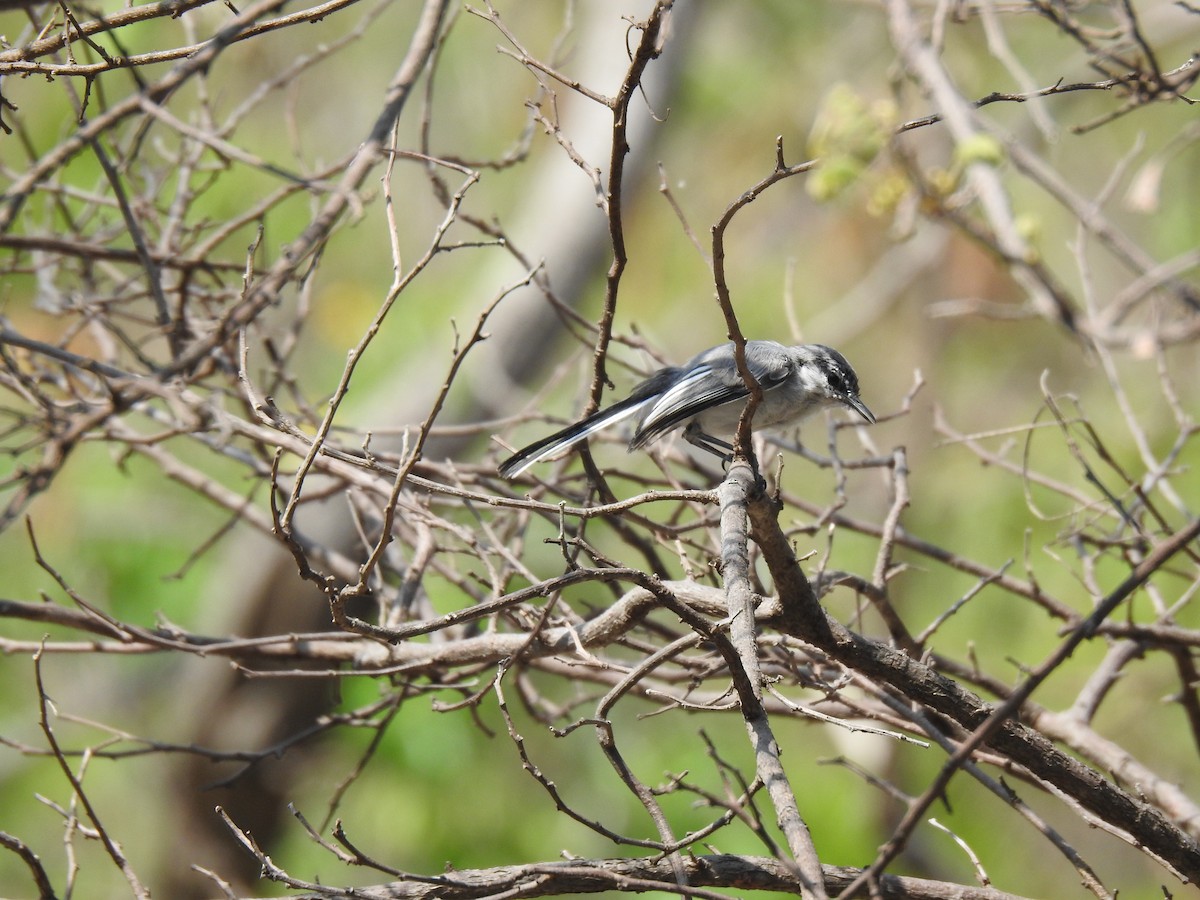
572 434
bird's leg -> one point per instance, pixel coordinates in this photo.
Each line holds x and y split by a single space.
722 449
697 438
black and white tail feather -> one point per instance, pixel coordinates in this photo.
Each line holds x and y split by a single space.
708 394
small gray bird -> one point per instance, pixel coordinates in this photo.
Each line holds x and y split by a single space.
709 395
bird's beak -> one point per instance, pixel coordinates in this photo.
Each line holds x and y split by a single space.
859 407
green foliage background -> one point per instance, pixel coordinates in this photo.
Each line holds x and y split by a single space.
440 790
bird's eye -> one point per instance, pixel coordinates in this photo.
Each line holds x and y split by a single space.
836 382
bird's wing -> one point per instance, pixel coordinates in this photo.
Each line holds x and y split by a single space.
644 393
709 381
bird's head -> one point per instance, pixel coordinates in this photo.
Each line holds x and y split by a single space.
826 374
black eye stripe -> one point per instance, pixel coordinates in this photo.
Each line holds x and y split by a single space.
839 379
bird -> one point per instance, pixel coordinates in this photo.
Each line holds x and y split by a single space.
708 394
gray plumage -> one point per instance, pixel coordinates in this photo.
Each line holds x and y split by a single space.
707 394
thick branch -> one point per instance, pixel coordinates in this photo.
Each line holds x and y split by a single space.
753 873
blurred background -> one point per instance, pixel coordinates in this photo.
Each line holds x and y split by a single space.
857 255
